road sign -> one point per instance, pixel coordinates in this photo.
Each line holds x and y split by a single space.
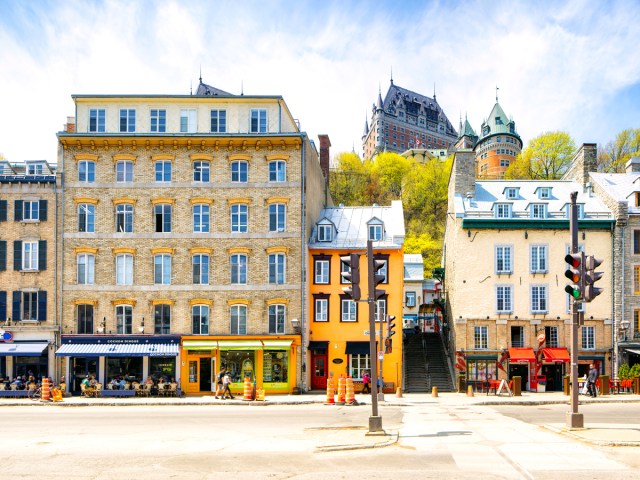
380 355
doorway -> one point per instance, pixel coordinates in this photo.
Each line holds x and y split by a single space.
319 373
207 373
82 366
520 370
553 372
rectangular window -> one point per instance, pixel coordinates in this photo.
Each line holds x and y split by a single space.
200 319
504 299
384 269
278 171
200 264
158 120
97 120
551 337
349 312
276 319
544 193
503 210
238 320
588 338
29 255
124 171
238 269
258 120
636 279
218 121
481 338
124 218
201 171
85 319
201 218
539 299
321 312
86 171
124 319
187 121
325 233
127 120
410 300
538 258
636 242
124 269
517 337
277 268
375 233
321 274
358 365
381 310
163 171
162 213
86 269
503 259
162 319
481 370
162 269
29 306
240 171
539 210
239 218
277 217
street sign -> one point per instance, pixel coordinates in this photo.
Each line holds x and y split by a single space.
367 332
380 355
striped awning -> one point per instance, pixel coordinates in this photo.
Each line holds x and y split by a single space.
33 349
118 350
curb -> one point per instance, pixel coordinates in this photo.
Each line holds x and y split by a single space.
602 443
360 446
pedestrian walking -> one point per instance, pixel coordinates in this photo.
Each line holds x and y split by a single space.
219 382
592 378
366 383
226 382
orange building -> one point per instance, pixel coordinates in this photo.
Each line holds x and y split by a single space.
338 327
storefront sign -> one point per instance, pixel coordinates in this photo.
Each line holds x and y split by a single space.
337 361
6 336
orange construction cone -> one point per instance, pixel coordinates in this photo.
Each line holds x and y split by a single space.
341 390
46 390
350 397
330 392
248 389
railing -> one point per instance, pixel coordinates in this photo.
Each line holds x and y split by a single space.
526 215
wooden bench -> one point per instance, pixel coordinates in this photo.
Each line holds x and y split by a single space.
14 393
118 393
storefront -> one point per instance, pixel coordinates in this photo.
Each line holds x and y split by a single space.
553 366
522 363
269 362
134 357
481 369
26 354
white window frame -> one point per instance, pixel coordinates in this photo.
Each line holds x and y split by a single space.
30 255
86 212
348 310
85 268
161 169
544 193
86 171
588 337
199 169
277 217
258 122
239 269
277 268
124 171
358 365
204 320
504 295
124 319
201 218
321 272
220 119
481 337
507 262
188 120
539 298
380 311
538 210
503 210
238 319
376 232
277 171
325 233
321 310
539 258
124 269
202 267
31 211
162 269
100 115
239 218
157 120
239 171
278 311
410 300
125 210
129 117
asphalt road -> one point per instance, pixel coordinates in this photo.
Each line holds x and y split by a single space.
593 413
281 441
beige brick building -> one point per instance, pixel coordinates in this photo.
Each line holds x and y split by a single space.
185 227
28 295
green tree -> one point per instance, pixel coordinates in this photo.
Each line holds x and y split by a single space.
546 157
613 157
430 248
350 180
390 170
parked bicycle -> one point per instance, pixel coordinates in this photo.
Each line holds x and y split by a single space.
35 393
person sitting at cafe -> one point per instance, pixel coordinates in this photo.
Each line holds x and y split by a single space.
93 382
86 381
17 381
115 384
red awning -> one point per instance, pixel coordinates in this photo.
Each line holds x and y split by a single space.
556 355
521 355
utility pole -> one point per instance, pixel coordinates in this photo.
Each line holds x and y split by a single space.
375 421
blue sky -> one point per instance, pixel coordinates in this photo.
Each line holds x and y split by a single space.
569 66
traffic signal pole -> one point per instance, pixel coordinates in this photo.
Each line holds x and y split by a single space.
573 418
375 421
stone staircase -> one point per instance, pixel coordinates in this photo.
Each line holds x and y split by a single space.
425 364
438 372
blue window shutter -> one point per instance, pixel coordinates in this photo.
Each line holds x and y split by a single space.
42 255
16 306
3 306
17 255
17 211
42 305
3 210
3 255
42 206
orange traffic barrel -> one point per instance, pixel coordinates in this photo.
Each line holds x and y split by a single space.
330 392
46 389
341 390
248 389
350 396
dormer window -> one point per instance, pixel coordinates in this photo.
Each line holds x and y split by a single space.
325 233
503 210
35 169
538 210
544 193
375 232
512 193
580 210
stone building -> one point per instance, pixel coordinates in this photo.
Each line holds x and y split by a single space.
504 249
406 120
28 294
186 219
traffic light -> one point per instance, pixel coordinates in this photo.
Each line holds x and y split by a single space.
591 277
352 275
575 273
377 279
388 345
391 324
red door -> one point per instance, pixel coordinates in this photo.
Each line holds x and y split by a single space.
319 373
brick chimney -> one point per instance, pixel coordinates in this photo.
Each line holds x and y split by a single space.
325 143
70 126
633 165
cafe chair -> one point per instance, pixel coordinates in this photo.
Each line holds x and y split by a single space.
173 389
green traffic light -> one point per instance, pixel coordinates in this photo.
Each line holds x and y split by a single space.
574 292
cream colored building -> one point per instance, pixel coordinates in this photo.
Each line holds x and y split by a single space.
505 243
185 227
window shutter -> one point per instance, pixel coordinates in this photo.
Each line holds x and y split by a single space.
3 306
42 305
3 210
3 255
43 210
17 211
17 255
42 255
16 306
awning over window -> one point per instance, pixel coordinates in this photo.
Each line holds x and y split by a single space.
633 350
556 355
118 350
357 348
318 345
235 344
521 355
22 349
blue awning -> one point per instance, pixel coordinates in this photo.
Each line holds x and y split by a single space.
22 349
357 348
118 350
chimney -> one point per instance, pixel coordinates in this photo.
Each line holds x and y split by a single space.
325 143
70 126
633 165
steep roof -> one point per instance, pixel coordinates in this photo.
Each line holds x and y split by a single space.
498 122
413 267
621 186
467 130
204 89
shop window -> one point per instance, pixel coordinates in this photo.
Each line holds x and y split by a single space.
162 367
275 366
193 371
481 370
129 368
358 364
239 363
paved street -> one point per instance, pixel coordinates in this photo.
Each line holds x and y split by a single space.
435 439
